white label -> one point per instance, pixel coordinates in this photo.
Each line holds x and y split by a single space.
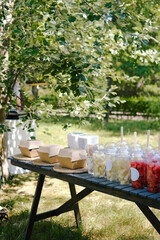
134 174
108 165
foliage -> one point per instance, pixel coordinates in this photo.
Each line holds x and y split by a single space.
76 46
147 106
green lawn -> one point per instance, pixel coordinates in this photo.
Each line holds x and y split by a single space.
52 132
104 217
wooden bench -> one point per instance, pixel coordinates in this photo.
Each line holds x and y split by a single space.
141 197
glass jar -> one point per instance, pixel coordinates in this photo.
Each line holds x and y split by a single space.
99 160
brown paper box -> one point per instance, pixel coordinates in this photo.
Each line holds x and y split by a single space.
28 152
67 163
46 158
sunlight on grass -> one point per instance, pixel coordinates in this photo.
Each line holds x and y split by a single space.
103 216
52 132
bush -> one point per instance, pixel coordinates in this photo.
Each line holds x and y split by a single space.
147 106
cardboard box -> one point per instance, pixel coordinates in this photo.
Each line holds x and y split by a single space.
72 158
48 153
67 163
28 152
46 158
30 144
52 149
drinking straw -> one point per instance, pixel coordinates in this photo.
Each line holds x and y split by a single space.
148 134
135 138
121 134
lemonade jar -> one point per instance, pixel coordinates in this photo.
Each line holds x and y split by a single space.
99 160
123 156
111 162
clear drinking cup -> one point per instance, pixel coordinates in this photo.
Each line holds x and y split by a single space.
90 164
138 167
123 163
153 174
99 161
111 162
149 153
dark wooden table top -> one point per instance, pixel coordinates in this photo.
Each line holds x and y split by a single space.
86 180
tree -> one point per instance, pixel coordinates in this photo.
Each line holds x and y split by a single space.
75 46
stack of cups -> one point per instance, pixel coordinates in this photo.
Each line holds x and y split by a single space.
111 162
99 160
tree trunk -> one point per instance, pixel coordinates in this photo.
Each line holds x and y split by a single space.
6 9
5 165
107 106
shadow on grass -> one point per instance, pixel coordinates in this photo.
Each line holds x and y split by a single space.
14 229
113 125
19 179
51 229
135 237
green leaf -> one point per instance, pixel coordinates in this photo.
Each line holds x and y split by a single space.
72 19
108 5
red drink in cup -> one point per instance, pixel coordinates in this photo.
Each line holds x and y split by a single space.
149 156
138 167
138 174
153 174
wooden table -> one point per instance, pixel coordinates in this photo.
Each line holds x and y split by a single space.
141 197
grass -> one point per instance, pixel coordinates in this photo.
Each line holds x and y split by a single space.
104 217
51 131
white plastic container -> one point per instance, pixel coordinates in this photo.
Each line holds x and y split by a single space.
87 139
73 139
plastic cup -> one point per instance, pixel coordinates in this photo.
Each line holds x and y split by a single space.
153 174
99 161
149 153
89 149
111 162
138 167
123 163
90 164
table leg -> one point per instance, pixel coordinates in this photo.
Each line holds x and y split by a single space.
34 207
150 216
76 206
